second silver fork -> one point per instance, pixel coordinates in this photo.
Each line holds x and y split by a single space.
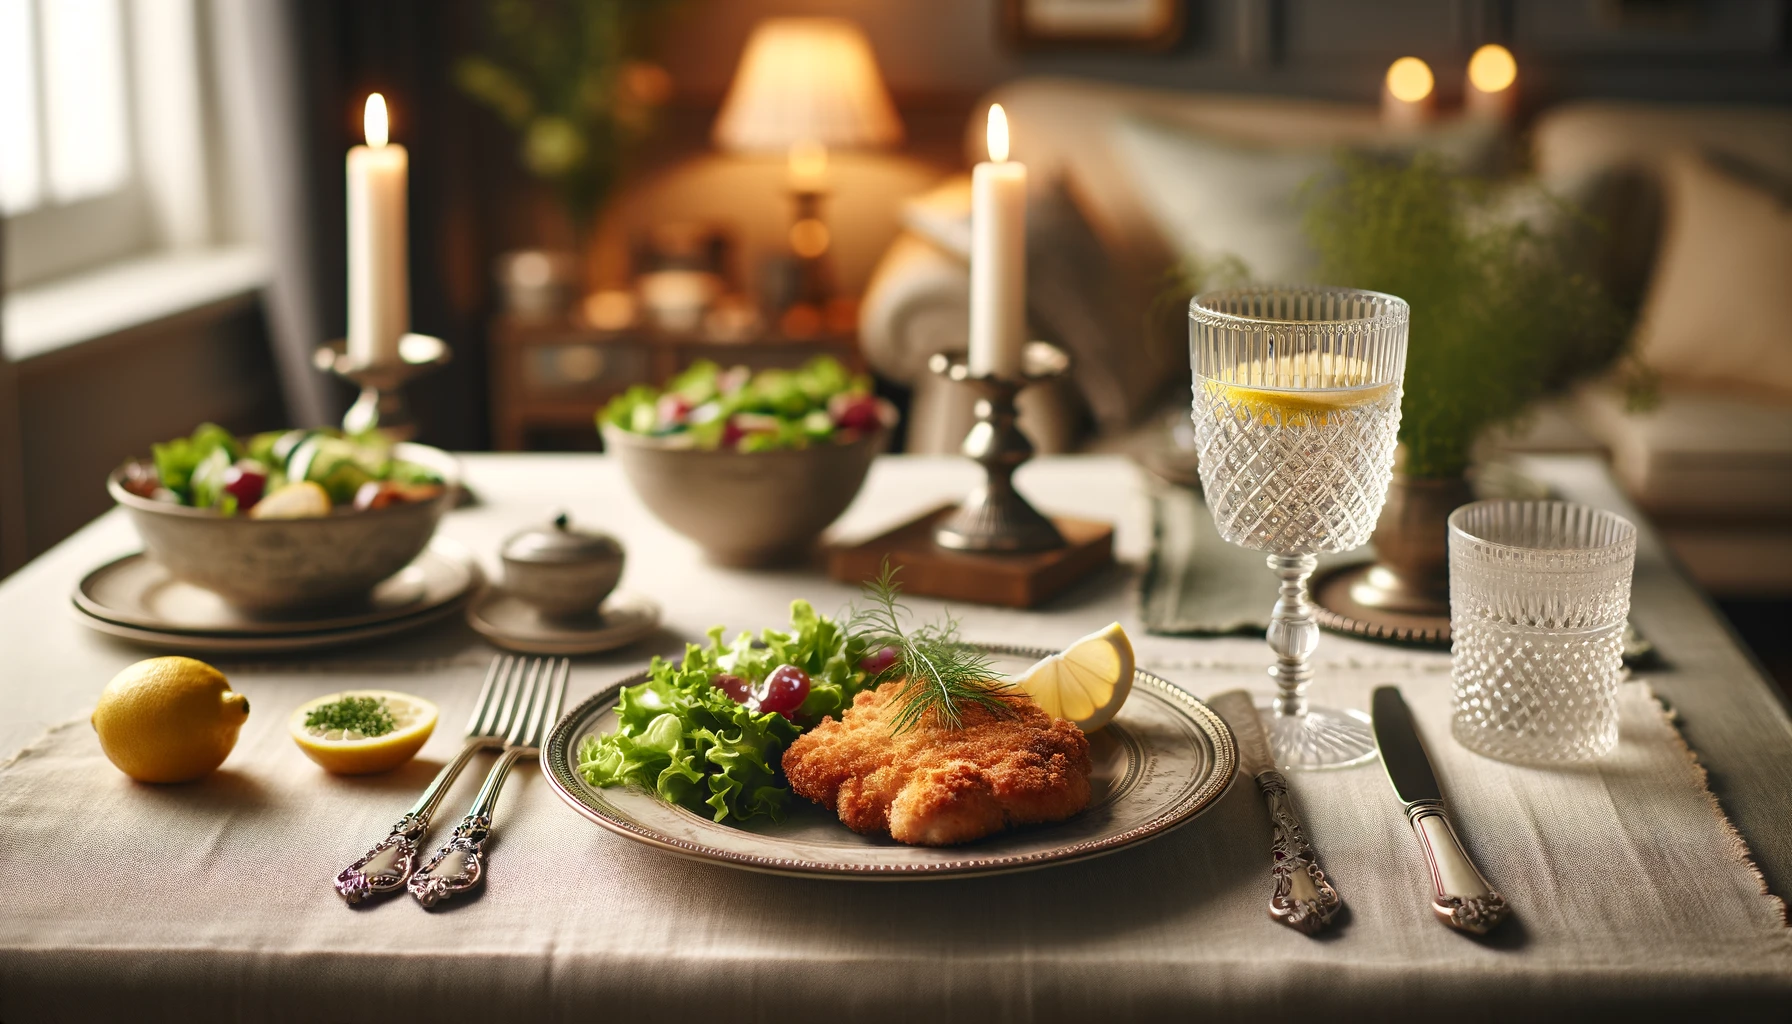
459 865
388 866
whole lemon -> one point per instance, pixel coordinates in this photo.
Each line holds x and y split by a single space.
169 719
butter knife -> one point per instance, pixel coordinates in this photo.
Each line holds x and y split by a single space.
1460 897
1303 899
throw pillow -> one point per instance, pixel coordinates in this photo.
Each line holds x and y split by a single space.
1716 315
1216 198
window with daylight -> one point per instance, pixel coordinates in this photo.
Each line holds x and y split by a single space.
102 153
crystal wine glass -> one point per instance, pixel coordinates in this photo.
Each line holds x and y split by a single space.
1296 412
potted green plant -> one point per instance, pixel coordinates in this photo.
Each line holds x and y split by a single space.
1502 312
570 78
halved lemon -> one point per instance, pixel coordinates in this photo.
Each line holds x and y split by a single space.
1088 682
346 750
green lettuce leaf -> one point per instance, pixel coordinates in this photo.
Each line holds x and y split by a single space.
690 744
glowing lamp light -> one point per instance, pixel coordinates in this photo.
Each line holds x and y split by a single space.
1410 80
997 133
373 120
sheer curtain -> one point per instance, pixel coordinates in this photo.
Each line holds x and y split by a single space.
256 55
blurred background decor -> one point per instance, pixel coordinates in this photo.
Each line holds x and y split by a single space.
1504 311
569 77
1131 24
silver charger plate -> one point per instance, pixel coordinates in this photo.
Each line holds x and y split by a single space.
448 577
508 622
1163 760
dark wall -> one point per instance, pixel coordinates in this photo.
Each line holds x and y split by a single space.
1729 50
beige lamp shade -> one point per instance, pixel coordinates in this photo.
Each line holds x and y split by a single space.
807 80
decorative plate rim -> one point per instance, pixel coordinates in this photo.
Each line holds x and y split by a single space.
556 766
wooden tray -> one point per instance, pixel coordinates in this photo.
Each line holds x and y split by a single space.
1012 581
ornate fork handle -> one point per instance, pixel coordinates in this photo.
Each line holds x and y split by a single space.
388 865
1304 900
459 865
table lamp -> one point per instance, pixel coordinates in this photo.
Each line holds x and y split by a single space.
804 86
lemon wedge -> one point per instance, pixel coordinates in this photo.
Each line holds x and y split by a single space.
1259 390
340 747
303 500
1088 682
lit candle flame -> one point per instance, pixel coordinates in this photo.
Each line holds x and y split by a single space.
998 133
1409 79
1492 68
373 122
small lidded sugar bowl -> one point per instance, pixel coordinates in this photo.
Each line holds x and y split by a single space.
563 572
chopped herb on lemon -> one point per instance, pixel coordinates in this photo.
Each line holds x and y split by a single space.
1088 682
364 731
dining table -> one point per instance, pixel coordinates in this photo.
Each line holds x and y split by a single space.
1646 885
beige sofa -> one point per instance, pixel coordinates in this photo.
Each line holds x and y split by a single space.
1714 469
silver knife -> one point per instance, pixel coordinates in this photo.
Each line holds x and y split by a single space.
1461 897
1303 899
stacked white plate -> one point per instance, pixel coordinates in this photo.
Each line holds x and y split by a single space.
134 598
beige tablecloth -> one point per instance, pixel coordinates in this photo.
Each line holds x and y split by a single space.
211 901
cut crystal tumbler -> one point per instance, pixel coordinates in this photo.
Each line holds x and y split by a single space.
1296 411
1539 594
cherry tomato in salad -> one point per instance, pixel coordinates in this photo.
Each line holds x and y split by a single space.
783 691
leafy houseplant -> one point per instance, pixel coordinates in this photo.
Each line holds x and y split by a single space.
1501 313
568 77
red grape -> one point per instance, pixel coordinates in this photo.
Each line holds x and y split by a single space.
670 411
783 691
878 661
737 689
245 481
855 412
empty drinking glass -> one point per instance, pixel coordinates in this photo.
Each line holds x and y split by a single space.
1296 413
1539 594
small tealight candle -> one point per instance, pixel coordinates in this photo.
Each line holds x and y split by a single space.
1491 90
1408 93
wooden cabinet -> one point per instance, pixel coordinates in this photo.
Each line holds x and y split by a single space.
550 379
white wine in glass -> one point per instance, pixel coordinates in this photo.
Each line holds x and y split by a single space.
1296 414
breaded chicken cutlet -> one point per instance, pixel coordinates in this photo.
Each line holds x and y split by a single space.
935 786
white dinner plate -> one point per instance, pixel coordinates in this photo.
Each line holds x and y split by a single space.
1163 760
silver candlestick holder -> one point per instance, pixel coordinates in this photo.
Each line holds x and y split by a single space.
381 404
995 518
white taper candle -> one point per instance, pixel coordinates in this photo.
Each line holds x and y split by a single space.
379 286
998 257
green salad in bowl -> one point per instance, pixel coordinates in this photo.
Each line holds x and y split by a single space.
712 408
281 474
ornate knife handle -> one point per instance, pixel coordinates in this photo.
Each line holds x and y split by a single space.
387 866
1304 900
459 865
1460 897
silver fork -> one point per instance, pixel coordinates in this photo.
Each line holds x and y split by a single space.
460 863
387 866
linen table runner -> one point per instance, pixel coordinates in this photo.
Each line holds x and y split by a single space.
212 900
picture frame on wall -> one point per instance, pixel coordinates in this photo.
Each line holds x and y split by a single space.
1093 24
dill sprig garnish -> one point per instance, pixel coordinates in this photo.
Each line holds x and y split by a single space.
941 674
